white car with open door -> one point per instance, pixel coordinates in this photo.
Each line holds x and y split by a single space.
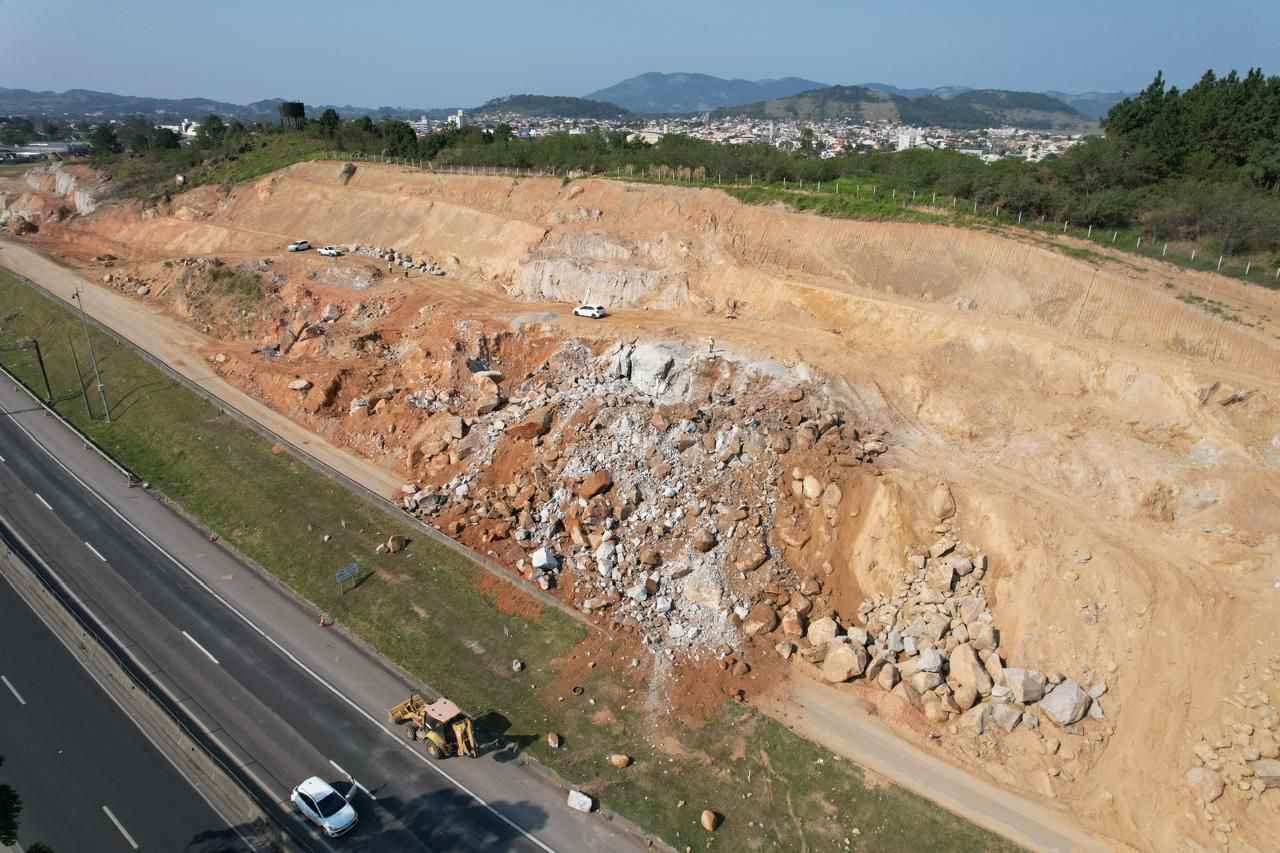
323 806
331 251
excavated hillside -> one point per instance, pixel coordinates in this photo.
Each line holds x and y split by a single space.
1022 499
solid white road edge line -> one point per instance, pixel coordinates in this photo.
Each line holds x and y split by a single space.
288 654
96 552
120 826
200 647
40 498
13 690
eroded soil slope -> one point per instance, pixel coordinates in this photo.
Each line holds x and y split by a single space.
1024 503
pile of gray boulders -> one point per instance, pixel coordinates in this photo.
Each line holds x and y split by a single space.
397 258
933 643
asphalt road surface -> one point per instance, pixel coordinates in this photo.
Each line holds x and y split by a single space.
286 697
88 778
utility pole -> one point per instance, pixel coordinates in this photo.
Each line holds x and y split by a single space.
75 359
102 389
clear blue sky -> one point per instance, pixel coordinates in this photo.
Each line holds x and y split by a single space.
387 52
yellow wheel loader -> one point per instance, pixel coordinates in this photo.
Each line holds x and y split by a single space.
441 726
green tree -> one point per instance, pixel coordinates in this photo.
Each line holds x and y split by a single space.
10 809
211 132
329 122
104 139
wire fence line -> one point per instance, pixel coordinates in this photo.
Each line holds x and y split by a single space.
924 201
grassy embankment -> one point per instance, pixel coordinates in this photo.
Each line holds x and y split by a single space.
435 614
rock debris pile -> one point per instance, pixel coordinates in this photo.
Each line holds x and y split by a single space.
932 642
656 483
397 258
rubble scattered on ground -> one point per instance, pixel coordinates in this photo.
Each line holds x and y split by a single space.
396 258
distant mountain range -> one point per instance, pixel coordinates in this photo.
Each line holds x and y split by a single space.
656 92
976 108
82 102
652 93
696 93
543 106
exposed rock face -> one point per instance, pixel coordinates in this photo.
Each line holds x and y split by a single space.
1066 704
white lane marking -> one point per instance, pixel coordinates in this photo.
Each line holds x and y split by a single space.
96 552
198 581
40 498
200 647
120 826
2 459
13 690
356 784
199 788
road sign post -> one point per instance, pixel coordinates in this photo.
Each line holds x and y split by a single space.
345 574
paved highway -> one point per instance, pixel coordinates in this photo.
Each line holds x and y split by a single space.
286 697
88 778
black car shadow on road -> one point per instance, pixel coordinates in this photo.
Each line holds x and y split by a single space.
447 820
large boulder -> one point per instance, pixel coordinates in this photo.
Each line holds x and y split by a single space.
595 483
703 540
1025 685
968 671
580 801
888 677
1066 704
760 620
930 660
941 503
1205 782
650 368
843 662
538 423
822 631
1006 716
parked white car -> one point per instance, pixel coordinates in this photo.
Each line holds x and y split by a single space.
331 251
299 246
323 806
595 312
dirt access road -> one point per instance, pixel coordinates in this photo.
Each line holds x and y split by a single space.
818 712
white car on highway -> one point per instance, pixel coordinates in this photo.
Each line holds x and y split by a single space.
331 251
323 806
299 246
595 312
